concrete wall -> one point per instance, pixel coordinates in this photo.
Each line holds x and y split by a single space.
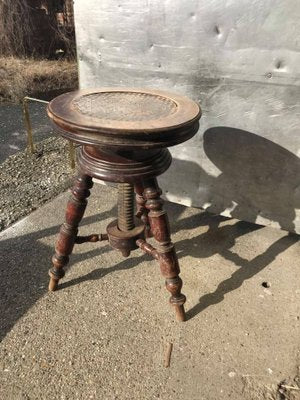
240 59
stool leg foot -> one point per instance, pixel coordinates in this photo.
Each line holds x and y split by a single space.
68 231
53 283
177 299
167 257
180 313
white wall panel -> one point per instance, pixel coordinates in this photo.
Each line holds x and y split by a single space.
240 59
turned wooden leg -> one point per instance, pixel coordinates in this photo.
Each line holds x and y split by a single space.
68 231
166 254
141 210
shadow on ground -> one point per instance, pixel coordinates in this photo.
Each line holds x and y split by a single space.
25 261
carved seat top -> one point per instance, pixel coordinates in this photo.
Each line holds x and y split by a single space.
125 117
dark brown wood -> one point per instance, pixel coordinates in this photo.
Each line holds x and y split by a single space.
123 166
125 117
124 134
167 257
125 241
147 248
94 237
68 231
141 210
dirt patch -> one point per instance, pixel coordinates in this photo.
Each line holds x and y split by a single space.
24 77
27 181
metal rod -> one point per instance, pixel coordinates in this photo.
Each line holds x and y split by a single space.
125 206
27 121
37 100
30 145
72 154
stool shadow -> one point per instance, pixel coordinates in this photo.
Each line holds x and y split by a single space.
24 264
100 273
219 240
246 271
216 240
257 177
24 277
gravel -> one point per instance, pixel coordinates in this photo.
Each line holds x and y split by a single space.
29 180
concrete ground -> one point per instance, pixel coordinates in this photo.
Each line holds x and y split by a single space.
104 334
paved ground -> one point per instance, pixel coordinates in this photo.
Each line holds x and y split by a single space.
13 136
104 334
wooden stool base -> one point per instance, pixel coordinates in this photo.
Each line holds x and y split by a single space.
153 222
180 313
124 135
53 283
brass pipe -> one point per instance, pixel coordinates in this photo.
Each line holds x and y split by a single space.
27 98
125 207
27 122
30 145
71 154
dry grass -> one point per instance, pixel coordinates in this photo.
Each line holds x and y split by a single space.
31 28
16 27
25 77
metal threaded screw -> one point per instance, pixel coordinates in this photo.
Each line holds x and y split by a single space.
125 207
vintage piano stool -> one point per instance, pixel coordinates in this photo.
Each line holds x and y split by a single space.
123 136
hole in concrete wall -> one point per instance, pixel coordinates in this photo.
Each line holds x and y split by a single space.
279 64
217 30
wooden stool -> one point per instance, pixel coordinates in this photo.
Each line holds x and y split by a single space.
124 135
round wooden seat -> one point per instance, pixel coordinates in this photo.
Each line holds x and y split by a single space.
123 117
124 135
